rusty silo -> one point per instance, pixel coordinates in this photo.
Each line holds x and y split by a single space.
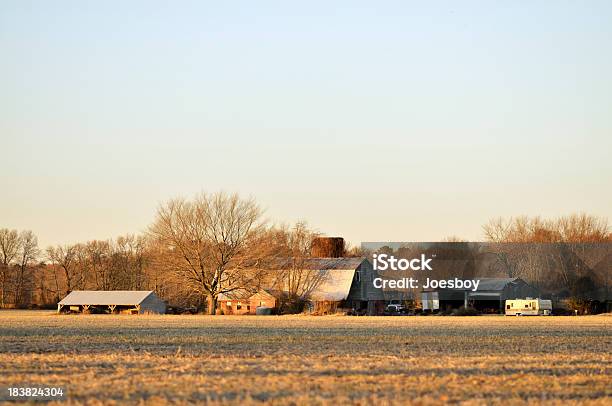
327 247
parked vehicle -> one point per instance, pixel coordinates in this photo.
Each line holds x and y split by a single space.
528 307
395 306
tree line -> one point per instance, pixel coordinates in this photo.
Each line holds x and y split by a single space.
197 249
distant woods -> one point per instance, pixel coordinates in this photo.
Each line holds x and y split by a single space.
196 249
18 254
577 228
30 276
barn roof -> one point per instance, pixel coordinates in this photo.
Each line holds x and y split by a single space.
349 263
336 274
335 286
106 297
275 293
496 283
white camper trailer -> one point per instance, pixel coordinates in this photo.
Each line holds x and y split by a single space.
528 307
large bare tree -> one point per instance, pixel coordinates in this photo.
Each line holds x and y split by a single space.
209 242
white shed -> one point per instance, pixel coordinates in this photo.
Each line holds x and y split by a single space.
112 301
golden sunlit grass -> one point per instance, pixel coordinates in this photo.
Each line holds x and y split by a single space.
314 360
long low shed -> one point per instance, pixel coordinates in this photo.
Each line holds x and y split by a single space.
111 301
491 294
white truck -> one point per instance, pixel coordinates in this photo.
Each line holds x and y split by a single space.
395 306
528 307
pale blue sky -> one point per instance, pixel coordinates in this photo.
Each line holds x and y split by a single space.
399 121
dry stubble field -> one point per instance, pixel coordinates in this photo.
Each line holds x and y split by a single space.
310 360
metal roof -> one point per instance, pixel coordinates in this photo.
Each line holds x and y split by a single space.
236 294
495 283
337 275
347 263
335 286
106 297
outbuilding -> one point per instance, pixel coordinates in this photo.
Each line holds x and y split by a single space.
236 302
242 301
489 297
112 301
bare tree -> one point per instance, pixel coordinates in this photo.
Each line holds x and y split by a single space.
28 254
96 258
576 228
64 258
454 238
558 265
9 247
208 241
295 277
354 251
581 228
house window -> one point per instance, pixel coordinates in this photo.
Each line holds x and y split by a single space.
229 303
357 276
239 306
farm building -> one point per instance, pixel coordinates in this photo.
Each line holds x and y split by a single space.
265 298
235 302
336 283
242 301
490 296
344 283
112 301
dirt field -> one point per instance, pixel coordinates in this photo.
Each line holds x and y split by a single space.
310 360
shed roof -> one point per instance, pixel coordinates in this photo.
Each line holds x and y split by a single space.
236 294
496 283
275 293
106 297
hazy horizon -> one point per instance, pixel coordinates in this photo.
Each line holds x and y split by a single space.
386 122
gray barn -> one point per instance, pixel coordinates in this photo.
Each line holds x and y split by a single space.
112 301
348 282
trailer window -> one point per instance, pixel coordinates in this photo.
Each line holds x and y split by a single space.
526 306
507 306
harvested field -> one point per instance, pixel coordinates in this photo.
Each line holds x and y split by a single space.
102 359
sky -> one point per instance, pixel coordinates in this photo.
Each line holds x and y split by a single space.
374 121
